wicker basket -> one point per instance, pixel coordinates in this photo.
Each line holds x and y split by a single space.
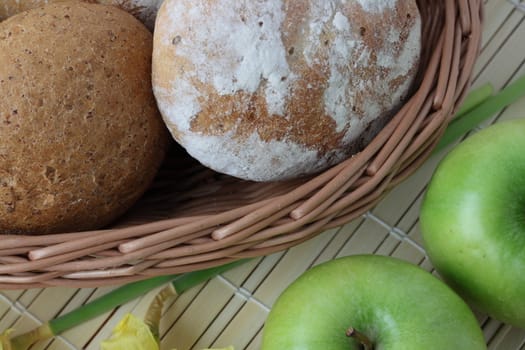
193 218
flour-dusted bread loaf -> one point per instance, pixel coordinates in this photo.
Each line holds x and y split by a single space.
144 10
270 90
81 137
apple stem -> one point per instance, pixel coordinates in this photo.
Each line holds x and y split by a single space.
361 338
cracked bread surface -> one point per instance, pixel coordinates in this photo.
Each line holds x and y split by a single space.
272 90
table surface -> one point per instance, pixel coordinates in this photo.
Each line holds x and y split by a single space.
231 308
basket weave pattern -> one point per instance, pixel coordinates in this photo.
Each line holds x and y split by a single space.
193 218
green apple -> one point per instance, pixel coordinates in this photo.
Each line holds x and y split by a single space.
387 303
473 220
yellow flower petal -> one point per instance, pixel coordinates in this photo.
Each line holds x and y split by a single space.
131 333
5 340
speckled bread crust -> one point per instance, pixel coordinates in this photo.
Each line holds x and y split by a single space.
144 10
270 90
80 135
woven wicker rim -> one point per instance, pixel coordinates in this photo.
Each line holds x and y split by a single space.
198 219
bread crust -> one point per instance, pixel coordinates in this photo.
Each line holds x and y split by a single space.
271 90
80 135
144 10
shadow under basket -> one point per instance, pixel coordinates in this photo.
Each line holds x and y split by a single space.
193 218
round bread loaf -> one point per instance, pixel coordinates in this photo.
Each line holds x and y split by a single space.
270 90
80 135
144 10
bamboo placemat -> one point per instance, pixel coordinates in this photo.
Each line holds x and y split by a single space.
231 308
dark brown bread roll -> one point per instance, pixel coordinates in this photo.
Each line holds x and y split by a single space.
144 10
80 135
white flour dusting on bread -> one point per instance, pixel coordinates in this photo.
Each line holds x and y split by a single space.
270 90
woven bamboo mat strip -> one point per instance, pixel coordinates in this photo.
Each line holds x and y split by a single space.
232 308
